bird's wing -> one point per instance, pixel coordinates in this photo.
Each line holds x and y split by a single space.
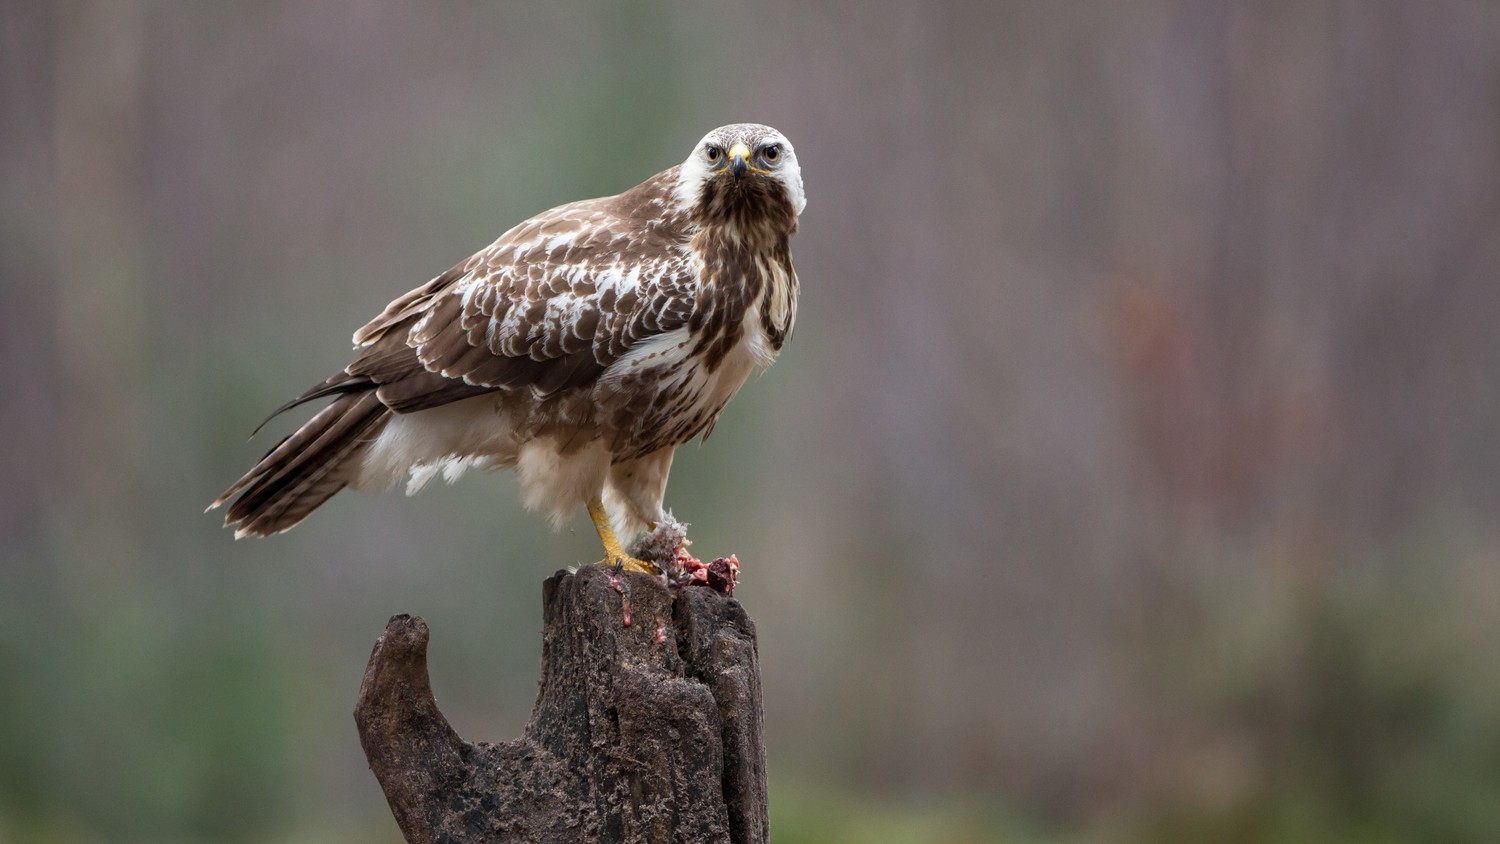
549 305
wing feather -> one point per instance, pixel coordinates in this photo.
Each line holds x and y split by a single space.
548 306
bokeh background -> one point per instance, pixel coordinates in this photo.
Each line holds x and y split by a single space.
1132 476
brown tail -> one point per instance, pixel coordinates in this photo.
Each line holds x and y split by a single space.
306 468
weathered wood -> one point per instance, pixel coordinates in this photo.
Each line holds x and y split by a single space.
642 732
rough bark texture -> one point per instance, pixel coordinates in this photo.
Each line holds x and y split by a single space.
646 732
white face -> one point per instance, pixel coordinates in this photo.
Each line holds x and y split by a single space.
759 150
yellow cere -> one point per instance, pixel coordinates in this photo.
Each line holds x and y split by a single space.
742 151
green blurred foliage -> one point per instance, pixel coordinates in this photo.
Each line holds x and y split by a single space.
1361 719
808 814
144 722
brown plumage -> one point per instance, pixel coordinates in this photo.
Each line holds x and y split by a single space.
579 348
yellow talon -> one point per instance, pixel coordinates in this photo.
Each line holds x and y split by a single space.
614 555
631 564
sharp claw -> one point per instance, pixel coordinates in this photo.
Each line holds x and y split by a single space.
617 564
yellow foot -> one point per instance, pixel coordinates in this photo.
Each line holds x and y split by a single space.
614 555
629 563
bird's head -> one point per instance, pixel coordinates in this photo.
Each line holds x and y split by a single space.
741 170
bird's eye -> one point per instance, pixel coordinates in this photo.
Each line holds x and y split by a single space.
772 152
713 153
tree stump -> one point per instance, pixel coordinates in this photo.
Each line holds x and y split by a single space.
647 726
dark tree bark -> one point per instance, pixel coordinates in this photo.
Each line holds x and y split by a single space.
647 727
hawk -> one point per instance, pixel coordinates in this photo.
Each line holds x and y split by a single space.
579 349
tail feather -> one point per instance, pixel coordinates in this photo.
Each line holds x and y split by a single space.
313 448
305 469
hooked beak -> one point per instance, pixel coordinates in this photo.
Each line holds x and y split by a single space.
739 161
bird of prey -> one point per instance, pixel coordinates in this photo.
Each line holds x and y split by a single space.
579 349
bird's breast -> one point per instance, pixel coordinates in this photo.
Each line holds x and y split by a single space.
672 387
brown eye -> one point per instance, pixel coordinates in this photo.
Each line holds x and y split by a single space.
772 152
713 153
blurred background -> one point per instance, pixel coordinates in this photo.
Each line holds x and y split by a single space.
1132 475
